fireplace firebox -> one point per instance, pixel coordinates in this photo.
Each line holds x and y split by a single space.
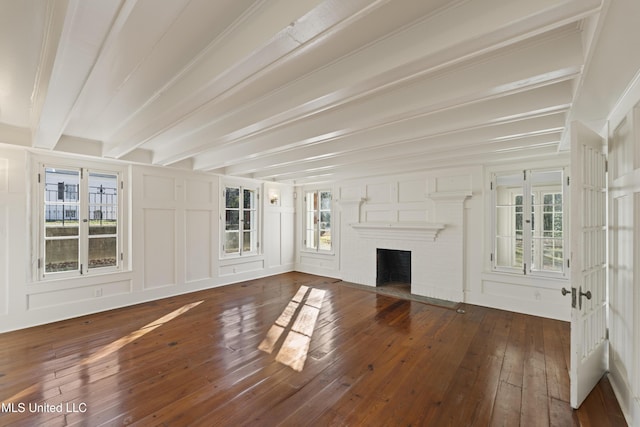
393 267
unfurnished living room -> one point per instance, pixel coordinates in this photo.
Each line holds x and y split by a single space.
320 212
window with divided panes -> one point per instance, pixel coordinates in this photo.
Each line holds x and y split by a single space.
79 224
318 220
529 232
240 221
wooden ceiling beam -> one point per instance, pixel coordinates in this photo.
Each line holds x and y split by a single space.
88 28
398 60
429 154
262 36
421 165
530 103
399 141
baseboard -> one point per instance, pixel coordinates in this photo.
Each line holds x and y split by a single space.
629 405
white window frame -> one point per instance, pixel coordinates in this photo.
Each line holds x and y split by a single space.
83 221
531 234
317 214
255 249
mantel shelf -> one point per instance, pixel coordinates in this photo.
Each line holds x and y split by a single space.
401 231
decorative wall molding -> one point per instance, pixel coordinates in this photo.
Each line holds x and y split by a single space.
404 231
450 196
353 202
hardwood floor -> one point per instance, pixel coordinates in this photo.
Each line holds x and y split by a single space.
371 360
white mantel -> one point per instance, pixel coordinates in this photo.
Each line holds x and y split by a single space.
405 231
436 246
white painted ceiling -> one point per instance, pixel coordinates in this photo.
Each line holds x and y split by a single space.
309 90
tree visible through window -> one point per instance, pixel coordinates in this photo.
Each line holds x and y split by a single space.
318 220
531 242
240 221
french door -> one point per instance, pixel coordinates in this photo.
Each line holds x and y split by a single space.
589 340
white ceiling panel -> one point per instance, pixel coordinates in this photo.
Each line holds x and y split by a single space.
308 90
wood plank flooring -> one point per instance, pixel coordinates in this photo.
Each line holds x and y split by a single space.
371 360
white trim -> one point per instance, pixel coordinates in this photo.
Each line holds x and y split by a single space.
405 231
450 196
316 231
85 169
629 405
627 101
224 185
524 186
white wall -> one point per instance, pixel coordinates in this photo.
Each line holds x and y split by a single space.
13 241
312 262
535 295
624 263
171 241
454 266
410 200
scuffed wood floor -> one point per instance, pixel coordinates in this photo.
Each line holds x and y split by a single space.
371 360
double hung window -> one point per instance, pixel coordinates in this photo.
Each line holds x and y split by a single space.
317 234
79 221
240 221
529 232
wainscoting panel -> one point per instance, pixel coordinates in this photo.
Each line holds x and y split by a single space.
159 188
4 257
159 247
200 192
380 216
412 191
4 175
380 193
198 245
407 215
77 294
287 230
272 238
241 267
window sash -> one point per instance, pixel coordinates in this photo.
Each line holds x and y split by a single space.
534 243
240 222
73 240
318 215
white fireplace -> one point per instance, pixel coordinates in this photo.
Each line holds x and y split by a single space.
436 247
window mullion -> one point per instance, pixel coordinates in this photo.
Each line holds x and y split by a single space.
317 213
527 225
241 221
42 191
83 221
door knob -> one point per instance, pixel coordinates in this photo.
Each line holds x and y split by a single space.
583 294
565 291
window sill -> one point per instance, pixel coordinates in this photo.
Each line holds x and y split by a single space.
322 253
69 282
521 279
234 258
61 276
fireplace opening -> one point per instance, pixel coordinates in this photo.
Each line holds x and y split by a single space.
393 268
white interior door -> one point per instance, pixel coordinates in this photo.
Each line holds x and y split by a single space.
589 357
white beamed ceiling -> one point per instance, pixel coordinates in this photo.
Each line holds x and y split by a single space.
298 90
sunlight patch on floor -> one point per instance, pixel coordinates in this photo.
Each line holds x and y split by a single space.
114 346
119 343
300 317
